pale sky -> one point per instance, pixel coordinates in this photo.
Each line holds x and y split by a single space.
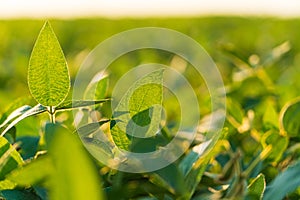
143 8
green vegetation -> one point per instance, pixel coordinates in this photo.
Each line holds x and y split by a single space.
255 156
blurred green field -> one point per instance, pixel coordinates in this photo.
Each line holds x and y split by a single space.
246 36
259 60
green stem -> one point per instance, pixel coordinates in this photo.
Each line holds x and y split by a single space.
52 114
263 155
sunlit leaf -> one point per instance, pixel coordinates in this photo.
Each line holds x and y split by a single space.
6 185
97 88
48 76
141 110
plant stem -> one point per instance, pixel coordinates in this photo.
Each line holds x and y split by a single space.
52 114
263 155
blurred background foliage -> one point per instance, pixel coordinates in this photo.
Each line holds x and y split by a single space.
245 36
259 59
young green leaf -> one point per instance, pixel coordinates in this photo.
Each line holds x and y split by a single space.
279 144
257 187
48 76
140 108
271 116
97 88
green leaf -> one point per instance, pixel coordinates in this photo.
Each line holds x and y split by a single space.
286 182
96 145
189 160
11 135
6 185
78 104
29 126
31 173
10 159
97 88
289 118
14 105
170 178
144 145
75 176
235 110
119 136
20 195
140 108
90 128
279 144
14 114
196 162
28 146
257 187
99 148
270 116
48 76
33 111
51 131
